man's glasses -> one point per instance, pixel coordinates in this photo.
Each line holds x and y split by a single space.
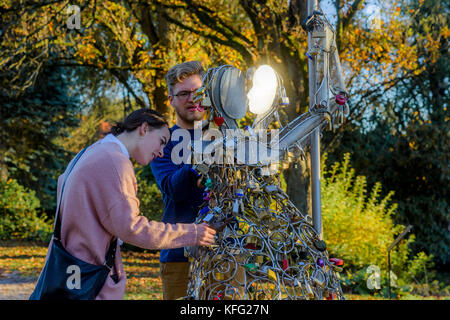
183 95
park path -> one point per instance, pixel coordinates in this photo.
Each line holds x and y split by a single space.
15 287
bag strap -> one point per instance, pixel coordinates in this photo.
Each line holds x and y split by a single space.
111 253
57 227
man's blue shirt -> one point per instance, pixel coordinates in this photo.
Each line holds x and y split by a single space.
182 197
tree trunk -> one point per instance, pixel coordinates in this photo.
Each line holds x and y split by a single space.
297 178
3 172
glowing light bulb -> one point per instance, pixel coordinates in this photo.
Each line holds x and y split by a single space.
262 94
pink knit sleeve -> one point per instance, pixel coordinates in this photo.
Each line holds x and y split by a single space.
124 222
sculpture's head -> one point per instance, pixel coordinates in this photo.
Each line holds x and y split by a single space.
229 92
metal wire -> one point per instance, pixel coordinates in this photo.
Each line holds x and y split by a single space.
269 249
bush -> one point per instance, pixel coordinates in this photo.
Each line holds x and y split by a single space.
19 219
151 204
358 228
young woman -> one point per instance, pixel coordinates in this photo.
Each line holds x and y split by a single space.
99 200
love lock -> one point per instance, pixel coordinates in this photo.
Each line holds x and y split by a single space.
314 51
206 102
340 99
320 245
201 168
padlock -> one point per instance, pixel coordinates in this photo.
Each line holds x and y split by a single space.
320 262
331 296
320 245
271 189
235 251
290 156
206 102
219 121
241 205
272 275
303 255
251 267
318 34
236 206
204 210
314 51
251 239
212 203
285 264
239 193
209 218
319 282
206 260
336 261
207 196
201 182
284 101
309 291
219 276
273 224
340 99
201 168
253 186
208 183
259 213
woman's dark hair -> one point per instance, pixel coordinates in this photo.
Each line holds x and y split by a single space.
153 118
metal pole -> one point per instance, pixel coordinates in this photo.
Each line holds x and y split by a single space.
315 182
315 138
389 274
312 5
396 242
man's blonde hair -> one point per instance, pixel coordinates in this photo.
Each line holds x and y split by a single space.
181 71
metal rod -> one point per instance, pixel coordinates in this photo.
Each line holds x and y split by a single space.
315 182
396 242
315 138
389 274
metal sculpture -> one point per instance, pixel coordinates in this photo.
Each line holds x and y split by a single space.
266 248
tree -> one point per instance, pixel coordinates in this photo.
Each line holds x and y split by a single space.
30 122
270 32
134 42
407 145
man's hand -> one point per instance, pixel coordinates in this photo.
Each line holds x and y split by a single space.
205 235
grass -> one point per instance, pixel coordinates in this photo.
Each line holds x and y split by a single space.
26 259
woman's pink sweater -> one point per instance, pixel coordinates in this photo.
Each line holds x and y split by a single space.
100 202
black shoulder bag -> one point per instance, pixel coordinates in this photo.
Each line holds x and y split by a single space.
67 277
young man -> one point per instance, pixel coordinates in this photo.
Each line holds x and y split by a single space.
177 182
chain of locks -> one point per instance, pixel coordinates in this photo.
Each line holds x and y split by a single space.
266 249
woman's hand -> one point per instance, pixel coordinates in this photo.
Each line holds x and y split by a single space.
205 235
